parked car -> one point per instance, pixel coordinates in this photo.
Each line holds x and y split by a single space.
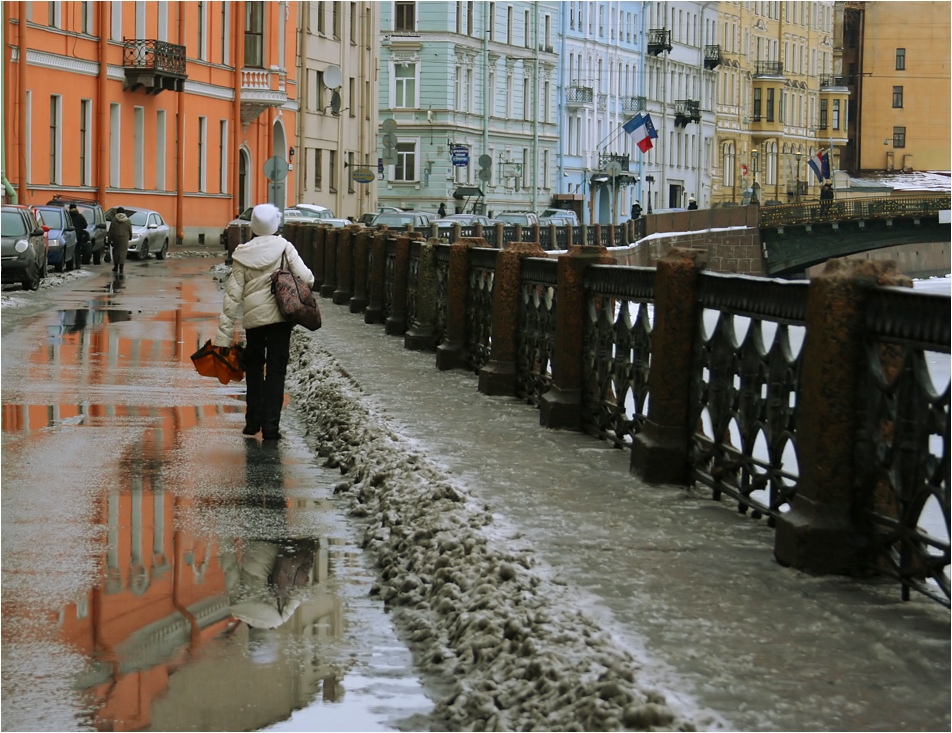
559 217
466 220
23 257
523 218
400 219
368 218
150 233
95 225
316 213
62 244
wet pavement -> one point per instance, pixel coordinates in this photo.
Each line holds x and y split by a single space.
140 529
160 571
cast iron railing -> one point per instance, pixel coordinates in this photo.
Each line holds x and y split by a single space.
616 352
479 307
148 53
903 448
746 382
537 303
871 208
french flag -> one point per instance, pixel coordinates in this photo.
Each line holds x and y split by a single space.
642 131
820 164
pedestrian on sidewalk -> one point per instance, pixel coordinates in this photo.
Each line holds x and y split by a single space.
826 196
442 210
120 232
82 236
248 291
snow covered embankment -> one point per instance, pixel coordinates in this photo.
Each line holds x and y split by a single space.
504 641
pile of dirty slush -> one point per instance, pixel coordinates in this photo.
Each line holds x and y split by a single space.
500 642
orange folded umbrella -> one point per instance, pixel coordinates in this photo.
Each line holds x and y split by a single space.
221 362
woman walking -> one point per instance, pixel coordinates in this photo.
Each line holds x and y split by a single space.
120 232
248 291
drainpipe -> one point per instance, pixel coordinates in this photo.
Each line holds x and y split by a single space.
180 148
21 73
644 94
535 124
487 20
10 194
102 108
238 14
562 108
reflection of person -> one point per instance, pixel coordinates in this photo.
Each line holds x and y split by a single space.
826 196
248 290
442 210
120 232
692 203
79 224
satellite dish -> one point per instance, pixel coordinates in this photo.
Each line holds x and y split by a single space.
335 103
332 77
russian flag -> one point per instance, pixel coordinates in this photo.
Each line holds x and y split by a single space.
820 164
642 131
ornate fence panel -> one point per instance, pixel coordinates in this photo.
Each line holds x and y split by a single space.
616 351
389 272
859 208
442 291
902 454
413 281
537 305
479 307
746 383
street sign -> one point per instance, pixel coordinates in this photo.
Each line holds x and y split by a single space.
388 125
389 156
363 174
460 156
276 169
389 140
743 169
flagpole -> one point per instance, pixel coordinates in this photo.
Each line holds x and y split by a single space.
832 179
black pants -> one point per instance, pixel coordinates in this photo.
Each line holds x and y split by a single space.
266 363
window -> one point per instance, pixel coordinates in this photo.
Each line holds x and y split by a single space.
897 97
526 101
55 127
352 99
354 17
202 152
115 30
86 17
404 85
115 129
225 32
459 17
770 104
318 168
528 41
404 16
758 99
405 168
470 29
836 114
332 171
138 147
899 137
335 19
200 22
319 11
85 141
54 19
509 25
350 172
491 20
254 34
824 109
319 91
900 59
223 156
160 150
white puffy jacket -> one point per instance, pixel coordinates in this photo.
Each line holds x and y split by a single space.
248 289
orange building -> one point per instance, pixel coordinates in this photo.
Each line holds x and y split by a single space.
173 106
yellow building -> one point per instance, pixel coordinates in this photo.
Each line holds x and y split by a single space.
779 102
903 100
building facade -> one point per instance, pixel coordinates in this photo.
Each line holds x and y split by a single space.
468 105
897 64
780 100
163 105
338 60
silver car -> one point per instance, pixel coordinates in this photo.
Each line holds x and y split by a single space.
150 233
400 219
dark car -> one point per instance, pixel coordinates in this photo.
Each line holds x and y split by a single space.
96 225
63 252
23 253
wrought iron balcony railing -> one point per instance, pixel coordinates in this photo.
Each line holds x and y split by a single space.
153 65
659 41
712 56
579 95
633 104
833 81
685 111
768 68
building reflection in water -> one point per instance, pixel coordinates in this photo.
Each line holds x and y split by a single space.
223 630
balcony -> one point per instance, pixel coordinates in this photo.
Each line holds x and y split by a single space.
634 104
827 81
712 57
576 96
768 68
686 111
261 89
153 66
659 41
602 101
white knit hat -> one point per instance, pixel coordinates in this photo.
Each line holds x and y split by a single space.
265 219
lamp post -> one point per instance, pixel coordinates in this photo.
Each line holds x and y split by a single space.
650 179
797 154
755 166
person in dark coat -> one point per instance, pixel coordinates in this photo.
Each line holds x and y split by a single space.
79 224
692 203
635 210
442 210
120 232
826 196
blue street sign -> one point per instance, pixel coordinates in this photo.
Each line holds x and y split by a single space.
460 156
